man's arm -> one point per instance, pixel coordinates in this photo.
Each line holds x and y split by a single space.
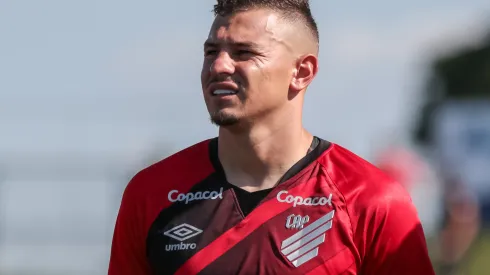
128 254
395 241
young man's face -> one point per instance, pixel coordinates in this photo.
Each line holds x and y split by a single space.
247 67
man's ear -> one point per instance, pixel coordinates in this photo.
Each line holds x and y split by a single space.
304 73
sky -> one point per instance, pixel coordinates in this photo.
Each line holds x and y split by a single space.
121 77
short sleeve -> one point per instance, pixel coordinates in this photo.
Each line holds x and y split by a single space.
395 240
128 252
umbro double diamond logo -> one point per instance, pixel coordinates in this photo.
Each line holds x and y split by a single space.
181 233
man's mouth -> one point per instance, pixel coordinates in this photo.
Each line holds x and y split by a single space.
224 92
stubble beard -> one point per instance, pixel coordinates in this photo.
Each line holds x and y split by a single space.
222 119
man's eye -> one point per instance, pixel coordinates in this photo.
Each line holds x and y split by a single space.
210 52
243 52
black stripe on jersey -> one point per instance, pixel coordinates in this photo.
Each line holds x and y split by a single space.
208 218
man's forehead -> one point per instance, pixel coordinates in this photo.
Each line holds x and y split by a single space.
244 27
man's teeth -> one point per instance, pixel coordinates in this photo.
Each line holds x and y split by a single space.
224 92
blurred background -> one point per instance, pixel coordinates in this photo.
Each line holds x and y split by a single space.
93 91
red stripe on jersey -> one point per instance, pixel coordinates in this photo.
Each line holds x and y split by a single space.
263 213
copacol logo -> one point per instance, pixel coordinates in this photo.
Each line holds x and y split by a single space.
181 233
298 200
173 196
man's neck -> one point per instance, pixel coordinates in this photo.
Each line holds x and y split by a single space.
257 159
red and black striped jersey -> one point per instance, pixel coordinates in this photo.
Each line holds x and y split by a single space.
332 213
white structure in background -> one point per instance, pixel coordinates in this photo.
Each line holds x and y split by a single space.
462 141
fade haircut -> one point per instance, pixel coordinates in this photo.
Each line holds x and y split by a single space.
295 11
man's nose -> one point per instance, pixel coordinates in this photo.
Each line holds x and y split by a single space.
223 64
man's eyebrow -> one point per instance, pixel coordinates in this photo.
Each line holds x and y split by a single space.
210 44
213 44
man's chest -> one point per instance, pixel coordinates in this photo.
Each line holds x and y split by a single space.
294 231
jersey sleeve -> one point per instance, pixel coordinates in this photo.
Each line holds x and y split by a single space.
395 241
128 252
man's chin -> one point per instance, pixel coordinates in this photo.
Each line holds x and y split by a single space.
224 120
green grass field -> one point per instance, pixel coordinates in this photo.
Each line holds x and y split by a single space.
477 261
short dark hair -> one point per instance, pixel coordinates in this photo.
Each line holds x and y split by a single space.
292 10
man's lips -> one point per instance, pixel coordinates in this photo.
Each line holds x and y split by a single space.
223 88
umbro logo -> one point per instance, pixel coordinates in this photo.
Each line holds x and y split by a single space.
304 245
181 233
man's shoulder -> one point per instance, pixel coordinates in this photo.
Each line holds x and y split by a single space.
193 157
359 180
385 224
183 168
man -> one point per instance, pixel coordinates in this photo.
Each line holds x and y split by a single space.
265 197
